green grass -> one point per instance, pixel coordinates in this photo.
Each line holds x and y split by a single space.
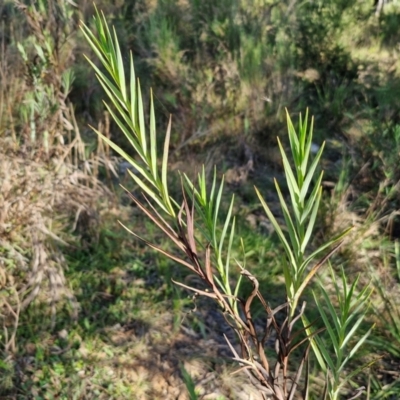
129 310
225 76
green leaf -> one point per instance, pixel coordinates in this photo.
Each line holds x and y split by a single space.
326 245
216 211
352 374
164 170
120 69
278 229
149 192
134 143
202 186
353 330
224 231
310 203
293 140
212 193
228 254
289 223
328 325
125 156
307 149
133 105
310 174
153 140
142 128
333 314
107 84
355 348
315 344
311 222
95 46
291 182
325 354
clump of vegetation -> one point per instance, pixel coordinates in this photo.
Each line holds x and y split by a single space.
197 235
48 201
80 300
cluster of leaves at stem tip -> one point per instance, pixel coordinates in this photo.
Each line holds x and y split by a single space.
187 232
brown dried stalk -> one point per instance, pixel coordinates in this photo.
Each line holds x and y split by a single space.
272 378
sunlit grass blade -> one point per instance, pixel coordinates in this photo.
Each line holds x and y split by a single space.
290 275
190 186
111 50
306 280
326 357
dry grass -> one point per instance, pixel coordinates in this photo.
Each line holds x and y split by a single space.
49 190
37 202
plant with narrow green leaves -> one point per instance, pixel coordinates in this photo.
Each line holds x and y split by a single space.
300 221
341 326
192 224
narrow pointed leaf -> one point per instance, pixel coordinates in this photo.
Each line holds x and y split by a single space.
164 170
153 140
307 149
125 156
310 174
229 250
336 239
133 109
355 348
277 228
311 200
291 182
149 191
142 128
120 68
327 324
311 222
293 140
289 223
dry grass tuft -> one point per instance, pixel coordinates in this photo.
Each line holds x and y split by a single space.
49 191
40 206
